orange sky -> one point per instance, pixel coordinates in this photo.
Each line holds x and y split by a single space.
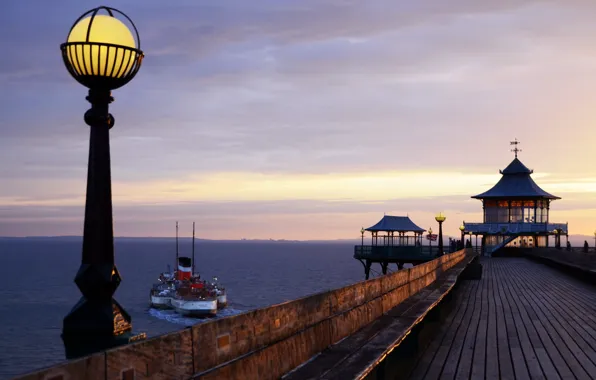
268 119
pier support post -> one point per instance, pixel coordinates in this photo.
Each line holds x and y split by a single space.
367 269
384 265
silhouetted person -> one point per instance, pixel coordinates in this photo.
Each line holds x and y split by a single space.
586 246
568 246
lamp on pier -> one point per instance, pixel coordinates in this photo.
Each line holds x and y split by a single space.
102 54
362 234
462 228
594 240
440 218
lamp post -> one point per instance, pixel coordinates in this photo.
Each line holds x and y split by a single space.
462 228
430 232
595 240
101 54
440 218
362 234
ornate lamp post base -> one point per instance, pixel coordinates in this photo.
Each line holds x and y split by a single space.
97 322
92 327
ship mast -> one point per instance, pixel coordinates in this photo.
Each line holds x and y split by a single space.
193 248
176 263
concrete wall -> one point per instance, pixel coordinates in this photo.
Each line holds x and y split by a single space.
263 343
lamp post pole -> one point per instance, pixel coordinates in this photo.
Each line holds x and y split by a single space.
362 235
441 238
462 228
594 240
440 218
430 248
97 321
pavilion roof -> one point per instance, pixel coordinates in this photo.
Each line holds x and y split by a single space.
516 182
395 223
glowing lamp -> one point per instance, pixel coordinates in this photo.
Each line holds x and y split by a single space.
462 228
362 230
430 231
101 52
440 217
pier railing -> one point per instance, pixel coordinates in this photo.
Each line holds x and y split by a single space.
250 345
515 228
397 253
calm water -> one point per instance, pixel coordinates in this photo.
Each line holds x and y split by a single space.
39 290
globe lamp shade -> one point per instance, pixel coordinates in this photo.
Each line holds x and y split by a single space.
440 217
101 51
462 228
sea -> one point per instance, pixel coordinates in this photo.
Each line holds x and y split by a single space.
39 288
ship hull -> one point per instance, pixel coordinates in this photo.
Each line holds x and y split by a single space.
222 301
191 308
161 302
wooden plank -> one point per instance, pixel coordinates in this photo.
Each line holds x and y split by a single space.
555 324
526 335
479 362
519 360
464 367
527 316
470 318
569 323
524 321
581 308
436 366
492 354
427 356
503 343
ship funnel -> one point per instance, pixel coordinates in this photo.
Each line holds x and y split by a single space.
184 268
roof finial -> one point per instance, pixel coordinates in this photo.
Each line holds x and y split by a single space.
516 149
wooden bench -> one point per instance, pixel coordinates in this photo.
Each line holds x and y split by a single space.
579 272
360 353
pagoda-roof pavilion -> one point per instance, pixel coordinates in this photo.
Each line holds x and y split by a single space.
516 182
391 223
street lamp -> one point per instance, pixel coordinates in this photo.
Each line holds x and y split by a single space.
102 54
430 232
362 233
440 218
594 240
462 228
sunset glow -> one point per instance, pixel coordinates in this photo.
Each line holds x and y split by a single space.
269 120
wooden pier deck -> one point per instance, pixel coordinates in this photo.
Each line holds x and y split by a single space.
522 320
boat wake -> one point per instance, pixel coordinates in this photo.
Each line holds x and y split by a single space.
173 317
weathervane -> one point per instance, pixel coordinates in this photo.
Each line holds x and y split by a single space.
516 149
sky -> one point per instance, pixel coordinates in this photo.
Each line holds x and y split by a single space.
303 119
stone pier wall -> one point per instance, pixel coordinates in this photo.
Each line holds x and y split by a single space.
260 344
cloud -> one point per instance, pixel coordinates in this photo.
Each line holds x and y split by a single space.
312 88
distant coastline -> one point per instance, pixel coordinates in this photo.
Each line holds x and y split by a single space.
575 240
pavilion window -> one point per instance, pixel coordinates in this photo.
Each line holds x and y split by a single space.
529 213
538 215
502 212
491 215
516 212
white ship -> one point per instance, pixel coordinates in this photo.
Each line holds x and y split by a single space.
161 293
185 292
